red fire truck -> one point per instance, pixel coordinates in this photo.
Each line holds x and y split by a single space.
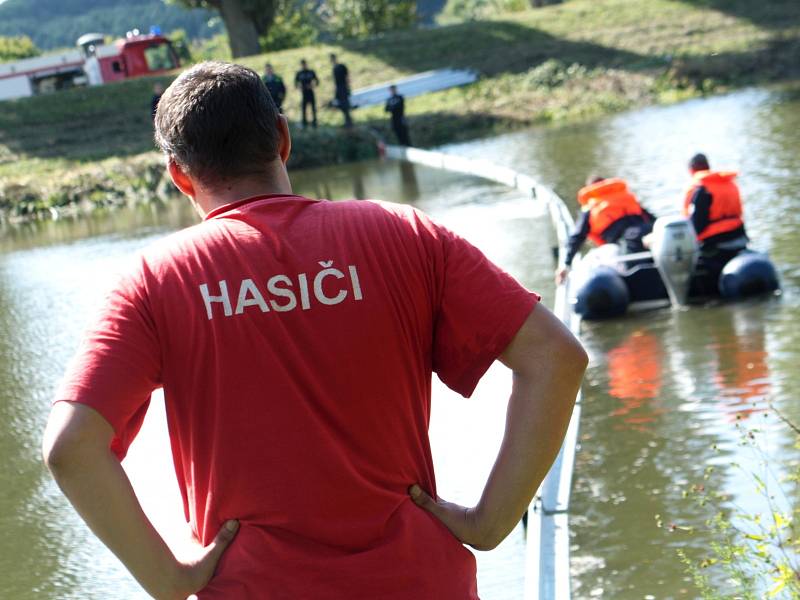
92 63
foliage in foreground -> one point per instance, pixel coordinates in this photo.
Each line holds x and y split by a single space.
755 554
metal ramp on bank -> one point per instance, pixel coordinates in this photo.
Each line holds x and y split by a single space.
547 563
415 85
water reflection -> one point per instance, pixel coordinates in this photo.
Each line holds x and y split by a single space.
634 378
409 186
742 371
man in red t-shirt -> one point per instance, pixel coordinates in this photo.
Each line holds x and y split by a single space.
295 340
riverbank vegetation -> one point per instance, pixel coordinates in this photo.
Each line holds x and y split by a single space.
755 552
569 61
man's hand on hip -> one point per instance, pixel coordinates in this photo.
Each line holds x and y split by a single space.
462 522
198 571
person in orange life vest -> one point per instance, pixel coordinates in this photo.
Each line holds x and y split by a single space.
295 341
610 214
714 206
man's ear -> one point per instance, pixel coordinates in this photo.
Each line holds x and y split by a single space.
284 139
181 180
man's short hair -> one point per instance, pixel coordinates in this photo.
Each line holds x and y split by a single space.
217 121
594 178
699 162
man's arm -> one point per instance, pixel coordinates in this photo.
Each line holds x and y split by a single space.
701 205
576 239
650 217
547 364
76 449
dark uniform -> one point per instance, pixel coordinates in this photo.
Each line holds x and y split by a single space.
276 89
397 107
305 79
342 93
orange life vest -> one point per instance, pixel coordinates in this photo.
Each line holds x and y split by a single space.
725 212
607 201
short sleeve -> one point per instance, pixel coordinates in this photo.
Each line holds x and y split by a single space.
117 365
480 310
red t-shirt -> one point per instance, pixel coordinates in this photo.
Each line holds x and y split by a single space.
295 341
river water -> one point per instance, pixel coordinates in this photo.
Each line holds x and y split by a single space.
667 395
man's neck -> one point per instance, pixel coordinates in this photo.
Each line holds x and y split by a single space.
210 198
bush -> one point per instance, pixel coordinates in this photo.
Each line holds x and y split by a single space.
553 73
15 48
472 10
326 146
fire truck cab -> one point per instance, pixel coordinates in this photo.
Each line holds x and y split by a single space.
94 63
133 56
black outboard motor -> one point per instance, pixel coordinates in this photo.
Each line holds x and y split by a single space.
748 274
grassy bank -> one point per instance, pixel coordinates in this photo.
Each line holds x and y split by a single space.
571 61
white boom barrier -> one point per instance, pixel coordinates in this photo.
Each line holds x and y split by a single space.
547 565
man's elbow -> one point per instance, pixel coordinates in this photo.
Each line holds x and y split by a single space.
568 364
72 434
575 355
58 453
60 449
544 341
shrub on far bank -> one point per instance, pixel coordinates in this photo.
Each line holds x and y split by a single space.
471 10
15 48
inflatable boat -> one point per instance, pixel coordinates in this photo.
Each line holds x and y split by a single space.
607 283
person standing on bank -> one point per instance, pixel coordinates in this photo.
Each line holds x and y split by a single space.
713 204
341 81
306 80
275 86
273 327
610 214
396 106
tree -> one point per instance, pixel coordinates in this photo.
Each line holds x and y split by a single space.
14 48
361 18
244 20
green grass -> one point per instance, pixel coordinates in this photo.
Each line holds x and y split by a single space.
574 60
